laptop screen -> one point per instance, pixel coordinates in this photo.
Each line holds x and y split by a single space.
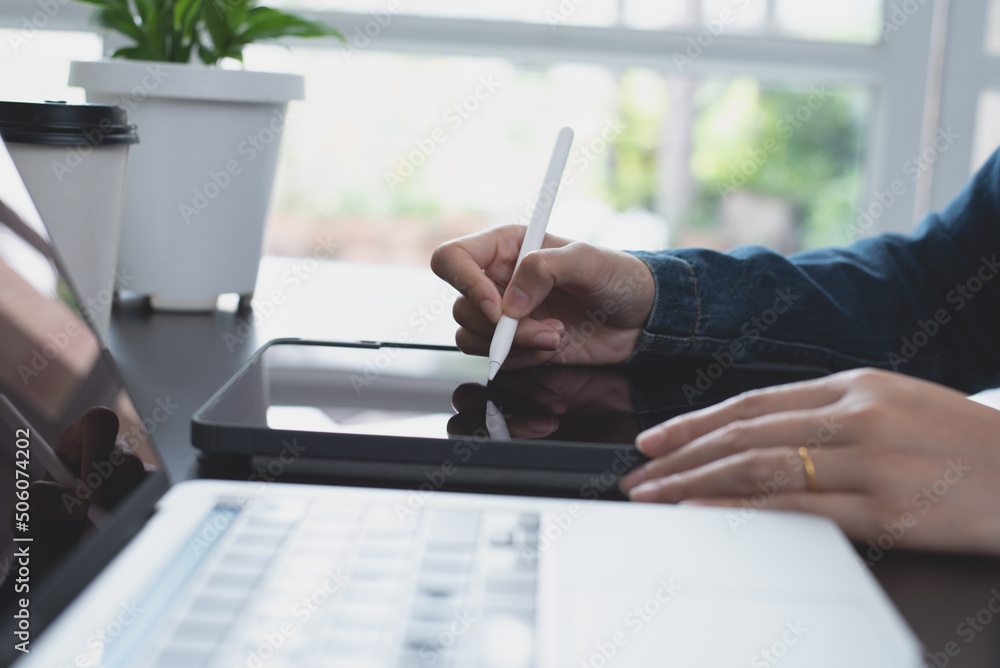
75 458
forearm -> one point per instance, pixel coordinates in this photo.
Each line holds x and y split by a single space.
925 305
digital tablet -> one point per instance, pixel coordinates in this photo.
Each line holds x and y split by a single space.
419 414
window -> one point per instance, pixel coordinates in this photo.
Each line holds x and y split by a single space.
395 154
840 97
34 65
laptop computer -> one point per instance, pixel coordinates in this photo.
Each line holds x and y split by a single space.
106 564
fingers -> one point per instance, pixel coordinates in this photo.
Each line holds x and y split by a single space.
773 471
88 440
472 264
545 334
674 433
98 432
531 424
518 358
577 264
790 428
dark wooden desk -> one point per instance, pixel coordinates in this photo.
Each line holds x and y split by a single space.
181 359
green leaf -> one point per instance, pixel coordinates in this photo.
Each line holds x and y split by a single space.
218 30
172 30
208 56
133 53
266 23
108 4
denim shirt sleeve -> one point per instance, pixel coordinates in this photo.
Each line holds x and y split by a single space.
925 304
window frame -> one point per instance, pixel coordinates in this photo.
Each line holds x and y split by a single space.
929 64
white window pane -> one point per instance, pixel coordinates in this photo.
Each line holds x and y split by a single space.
742 15
987 136
993 28
646 15
381 158
841 21
857 21
569 12
35 66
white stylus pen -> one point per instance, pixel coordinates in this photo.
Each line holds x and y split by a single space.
503 337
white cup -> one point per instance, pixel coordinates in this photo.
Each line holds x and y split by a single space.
73 160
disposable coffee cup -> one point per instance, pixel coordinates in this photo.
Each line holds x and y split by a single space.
73 160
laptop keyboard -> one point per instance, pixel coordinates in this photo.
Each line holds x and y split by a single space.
368 585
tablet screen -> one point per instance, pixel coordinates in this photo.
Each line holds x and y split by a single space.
442 393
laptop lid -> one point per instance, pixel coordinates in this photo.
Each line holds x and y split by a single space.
79 472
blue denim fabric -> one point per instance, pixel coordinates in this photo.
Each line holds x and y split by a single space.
925 304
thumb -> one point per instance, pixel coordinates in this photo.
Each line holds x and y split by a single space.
577 265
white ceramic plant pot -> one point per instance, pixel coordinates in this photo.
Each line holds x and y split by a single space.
199 185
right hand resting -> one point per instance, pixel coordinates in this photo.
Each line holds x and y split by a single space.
577 304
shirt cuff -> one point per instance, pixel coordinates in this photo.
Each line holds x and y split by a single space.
673 323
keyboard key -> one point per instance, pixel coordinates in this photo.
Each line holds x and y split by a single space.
439 585
512 584
449 529
216 603
184 655
232 581
435 607
203 630
506 642
447 563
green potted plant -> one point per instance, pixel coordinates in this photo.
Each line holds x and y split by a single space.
199 183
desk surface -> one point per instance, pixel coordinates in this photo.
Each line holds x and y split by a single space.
180 360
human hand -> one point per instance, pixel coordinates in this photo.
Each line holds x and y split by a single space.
892 454
577 304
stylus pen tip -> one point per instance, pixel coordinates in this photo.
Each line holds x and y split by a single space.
494 367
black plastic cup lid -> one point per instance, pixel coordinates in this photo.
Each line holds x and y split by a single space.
61 124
